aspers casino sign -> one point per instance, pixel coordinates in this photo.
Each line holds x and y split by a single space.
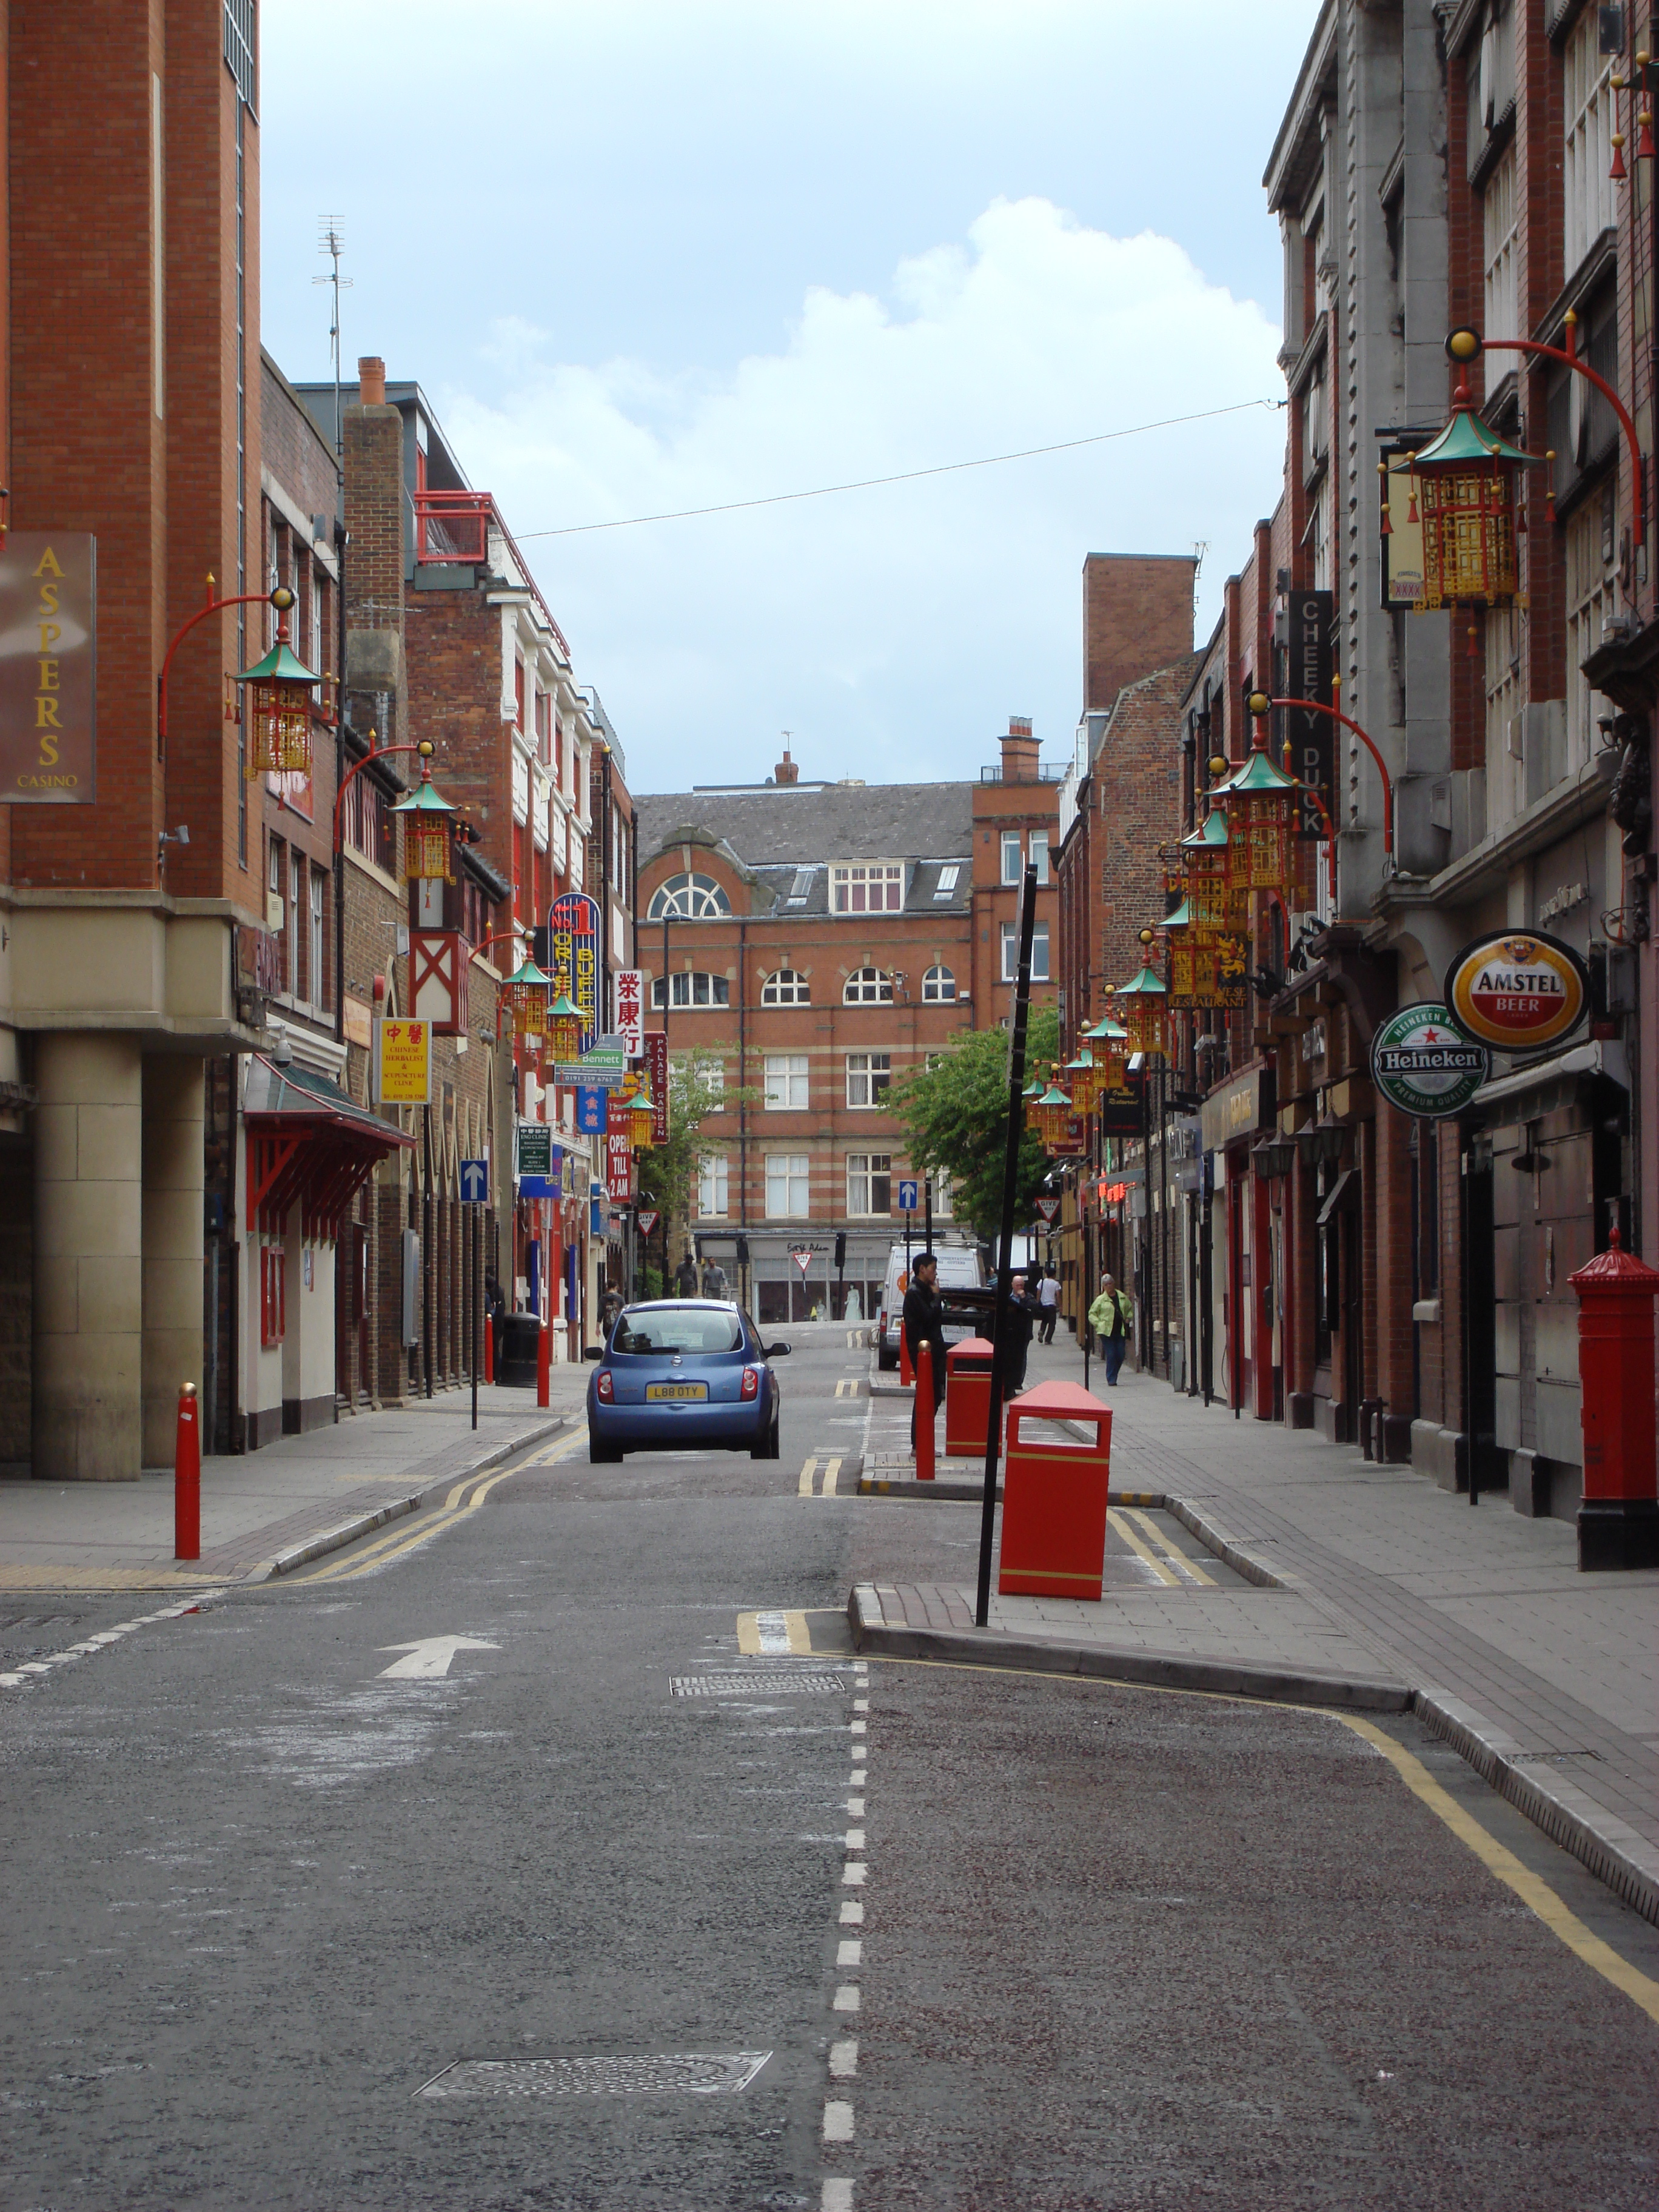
1517 992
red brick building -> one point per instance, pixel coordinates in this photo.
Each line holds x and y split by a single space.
823 938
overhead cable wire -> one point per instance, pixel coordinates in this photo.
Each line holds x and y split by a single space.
904 476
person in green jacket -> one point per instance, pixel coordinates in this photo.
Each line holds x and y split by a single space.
1111 1317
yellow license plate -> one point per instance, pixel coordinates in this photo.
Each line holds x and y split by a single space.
676 1389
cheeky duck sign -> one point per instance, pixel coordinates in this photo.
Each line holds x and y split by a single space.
1517 991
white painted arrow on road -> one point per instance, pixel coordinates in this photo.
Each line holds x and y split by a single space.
430 1657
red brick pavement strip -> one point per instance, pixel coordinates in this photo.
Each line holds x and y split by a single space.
1508 1722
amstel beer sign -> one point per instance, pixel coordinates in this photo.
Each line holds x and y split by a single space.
1421 1063
1516 991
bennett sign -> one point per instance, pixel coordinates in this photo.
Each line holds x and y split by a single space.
1517 992
1423 1064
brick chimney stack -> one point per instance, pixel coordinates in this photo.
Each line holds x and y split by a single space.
371 381
787 771
1019 751
373 450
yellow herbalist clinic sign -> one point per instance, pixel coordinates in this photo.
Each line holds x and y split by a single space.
404 1063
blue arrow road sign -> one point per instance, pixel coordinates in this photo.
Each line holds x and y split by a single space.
475 1182
907 1196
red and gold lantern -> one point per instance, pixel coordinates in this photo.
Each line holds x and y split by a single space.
1465 487
428 834
1051 1115
564 1029
1143 1003
525 993
277 714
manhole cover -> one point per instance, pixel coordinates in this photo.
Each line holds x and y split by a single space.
696 2073
744 1685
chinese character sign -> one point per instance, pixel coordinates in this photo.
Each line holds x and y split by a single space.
573 941
404 1063
629 988
48 668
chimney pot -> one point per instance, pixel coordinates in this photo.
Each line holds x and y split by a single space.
1019 751
371 381
786 770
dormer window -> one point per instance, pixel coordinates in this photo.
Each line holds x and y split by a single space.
868 887
800 888
688 898
946 885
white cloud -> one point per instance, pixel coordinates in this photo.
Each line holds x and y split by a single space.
892 630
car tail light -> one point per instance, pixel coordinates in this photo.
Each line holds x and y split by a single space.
751 1382
603 1387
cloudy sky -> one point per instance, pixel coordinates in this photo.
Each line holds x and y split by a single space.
645 255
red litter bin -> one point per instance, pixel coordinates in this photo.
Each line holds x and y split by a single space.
1054 1496
967 1397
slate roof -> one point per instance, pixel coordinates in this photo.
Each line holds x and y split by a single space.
775 824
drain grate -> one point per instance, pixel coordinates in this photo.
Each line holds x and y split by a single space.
744 1685
694 2073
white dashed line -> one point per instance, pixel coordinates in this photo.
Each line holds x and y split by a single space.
837 2195
860 1704
856 1728
854 1839
852 1913
855 1779
92 1645
851 1952
852 1874
837 2121
855 1806
844 2059
847 1997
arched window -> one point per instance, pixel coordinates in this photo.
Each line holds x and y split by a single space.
687 989
785 988
868 987
691 898
938 985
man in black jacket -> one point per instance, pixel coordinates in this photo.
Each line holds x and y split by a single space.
924 1323
1021 1315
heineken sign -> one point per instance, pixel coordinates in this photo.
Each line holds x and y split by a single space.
1517 991
1423 1064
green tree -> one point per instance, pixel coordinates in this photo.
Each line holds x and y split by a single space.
697 1091
954 1112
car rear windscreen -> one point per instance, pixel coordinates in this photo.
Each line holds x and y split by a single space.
677 1329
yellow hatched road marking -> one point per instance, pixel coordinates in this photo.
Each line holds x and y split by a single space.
808 1470
774 1632
848 1387
1116 1522
1172 1550
830 1474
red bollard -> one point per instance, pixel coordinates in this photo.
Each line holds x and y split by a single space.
906 1379
925 1412
489 1348
543 1364
187 1478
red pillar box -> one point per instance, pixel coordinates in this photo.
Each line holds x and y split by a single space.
1618 1519
1053 1496
967 1397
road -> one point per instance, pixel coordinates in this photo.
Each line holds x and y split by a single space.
353 1892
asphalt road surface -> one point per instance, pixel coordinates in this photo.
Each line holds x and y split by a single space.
554 1851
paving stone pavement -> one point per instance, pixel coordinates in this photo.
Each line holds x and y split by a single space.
256 1506
1547 1679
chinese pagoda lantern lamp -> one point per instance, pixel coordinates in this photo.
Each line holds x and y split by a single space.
428 837
1261 807
1142 1001
1466 486
1052 1114
564 1029
1108 1044
1087 1081
277 714
526 990
641 1118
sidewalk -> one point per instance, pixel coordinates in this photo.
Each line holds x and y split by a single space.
266 1512
1374 1582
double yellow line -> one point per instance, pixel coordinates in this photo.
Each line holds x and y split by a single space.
1187 1569
467 1496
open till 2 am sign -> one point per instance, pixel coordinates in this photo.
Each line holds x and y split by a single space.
48 668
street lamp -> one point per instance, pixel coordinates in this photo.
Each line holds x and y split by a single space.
278 714
1260 704
427 837
525 992
1143 1000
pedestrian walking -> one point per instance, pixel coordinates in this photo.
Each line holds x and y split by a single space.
494 1300
1021 1318
1111 1317
1048 1301
685 1277
924 1323
713 1280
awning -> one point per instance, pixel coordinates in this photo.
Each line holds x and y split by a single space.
1527 1092
1334 1198
308 1145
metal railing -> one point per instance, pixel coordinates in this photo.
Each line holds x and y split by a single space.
1049 772
452 528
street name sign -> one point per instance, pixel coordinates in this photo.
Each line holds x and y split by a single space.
1422 1063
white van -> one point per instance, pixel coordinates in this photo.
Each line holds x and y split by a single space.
959 1268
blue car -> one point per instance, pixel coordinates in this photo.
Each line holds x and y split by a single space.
683 1375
